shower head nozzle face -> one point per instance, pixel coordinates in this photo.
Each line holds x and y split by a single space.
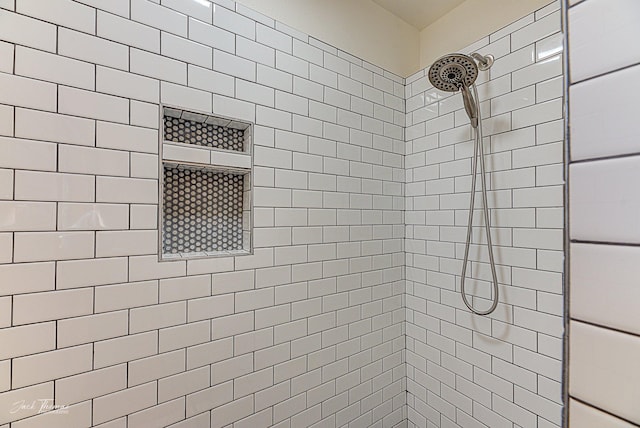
453 71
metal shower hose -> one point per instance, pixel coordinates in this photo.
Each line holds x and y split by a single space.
478 150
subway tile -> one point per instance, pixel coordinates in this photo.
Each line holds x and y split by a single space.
123 349
539 155
255 93
201 11
596 356
513 100
75 415
183 383
595 49
51 365
276 39
47 306
77 102
227 413
210 307
583 415
165 414
46 186
234 66
156 367
84 160
26 278
27 216
186 50
537 72
591 123
30 93
75 389
126 295
211 81
207 399
548 25
211 36
54 127
23 30
196 99
158 67
144 114
148 267
514 61
599 196
256 16
73 216
234 108
124 402
144 165
7 55
255 52
42 338
128 85
24 395
92 328
234 22
61 12
127 32
186 335
545 112
112 190
92 49
589 262
291 64
163 18
144 217
126 243
124 137
43 246
7 121
157 317
118 7
6 251
45 66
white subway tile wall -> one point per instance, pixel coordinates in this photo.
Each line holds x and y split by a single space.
503 370
603 202
307 331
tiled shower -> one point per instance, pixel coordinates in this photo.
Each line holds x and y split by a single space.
211 219
506 368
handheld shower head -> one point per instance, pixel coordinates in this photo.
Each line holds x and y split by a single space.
455 72
459 72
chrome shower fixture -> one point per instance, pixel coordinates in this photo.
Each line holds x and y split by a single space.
484 62
458 72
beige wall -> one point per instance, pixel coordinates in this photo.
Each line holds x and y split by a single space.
368 31
469 22
359 27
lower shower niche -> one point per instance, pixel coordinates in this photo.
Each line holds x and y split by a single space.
205 206
203 212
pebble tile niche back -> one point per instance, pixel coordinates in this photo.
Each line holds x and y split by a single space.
205 201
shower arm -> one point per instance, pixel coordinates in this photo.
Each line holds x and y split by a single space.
484 61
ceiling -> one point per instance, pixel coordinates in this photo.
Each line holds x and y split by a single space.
419 13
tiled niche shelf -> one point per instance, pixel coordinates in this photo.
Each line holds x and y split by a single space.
205 166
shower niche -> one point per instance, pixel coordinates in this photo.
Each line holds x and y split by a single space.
205 190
